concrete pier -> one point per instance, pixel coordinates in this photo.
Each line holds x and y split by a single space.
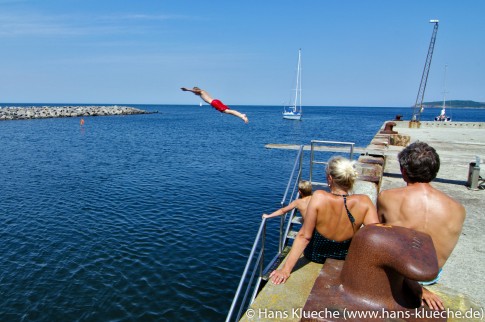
461 285
458 144
36 112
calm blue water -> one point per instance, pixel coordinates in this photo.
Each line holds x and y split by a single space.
148 217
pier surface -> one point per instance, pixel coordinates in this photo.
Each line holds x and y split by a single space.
458 144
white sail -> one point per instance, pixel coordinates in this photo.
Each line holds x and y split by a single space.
295 111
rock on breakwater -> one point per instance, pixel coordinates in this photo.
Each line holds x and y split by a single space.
38 112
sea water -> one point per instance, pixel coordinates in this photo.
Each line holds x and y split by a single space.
149 217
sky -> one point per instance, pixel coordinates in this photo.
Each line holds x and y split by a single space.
354 52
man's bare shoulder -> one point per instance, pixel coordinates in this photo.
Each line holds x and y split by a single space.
451 205
305 199
394 190
440 194
391 193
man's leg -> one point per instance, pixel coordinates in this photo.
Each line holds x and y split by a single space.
238 114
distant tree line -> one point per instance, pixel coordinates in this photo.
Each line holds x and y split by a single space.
455 103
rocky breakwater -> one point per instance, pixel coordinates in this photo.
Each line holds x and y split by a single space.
39 112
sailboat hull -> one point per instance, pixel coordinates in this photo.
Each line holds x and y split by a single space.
442 119
292 116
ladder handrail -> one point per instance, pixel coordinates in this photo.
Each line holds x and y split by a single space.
261 236
262 227
292 184
298 161
298 164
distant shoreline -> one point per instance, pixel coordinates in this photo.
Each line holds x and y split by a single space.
130 106
8 113
455 104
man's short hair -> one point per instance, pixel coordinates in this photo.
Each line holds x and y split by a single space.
420 162
305 188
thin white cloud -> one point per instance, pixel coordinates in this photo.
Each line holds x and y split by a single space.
143 17
12 1
12 25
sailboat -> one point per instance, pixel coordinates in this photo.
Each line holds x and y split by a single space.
295 111
443 117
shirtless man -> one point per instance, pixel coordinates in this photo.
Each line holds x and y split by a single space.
305 189
421 207
217 104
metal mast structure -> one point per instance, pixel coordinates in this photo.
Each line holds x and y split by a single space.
418 106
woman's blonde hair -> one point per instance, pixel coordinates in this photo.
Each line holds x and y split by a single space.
342 171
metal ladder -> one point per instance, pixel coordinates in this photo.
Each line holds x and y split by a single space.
289 227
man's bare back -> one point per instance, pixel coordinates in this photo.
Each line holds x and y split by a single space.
199 92
421 207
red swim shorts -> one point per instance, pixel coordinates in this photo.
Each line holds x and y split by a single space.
218 105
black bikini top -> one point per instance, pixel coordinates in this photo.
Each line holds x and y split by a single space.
351 218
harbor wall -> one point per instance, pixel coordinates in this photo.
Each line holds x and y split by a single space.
35 112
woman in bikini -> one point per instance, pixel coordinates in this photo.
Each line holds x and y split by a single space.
217 104
332 218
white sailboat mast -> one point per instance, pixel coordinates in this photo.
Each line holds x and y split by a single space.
444 89
298 84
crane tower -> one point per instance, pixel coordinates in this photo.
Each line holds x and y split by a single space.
418 106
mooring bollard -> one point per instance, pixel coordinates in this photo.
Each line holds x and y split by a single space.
473 174
388 128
